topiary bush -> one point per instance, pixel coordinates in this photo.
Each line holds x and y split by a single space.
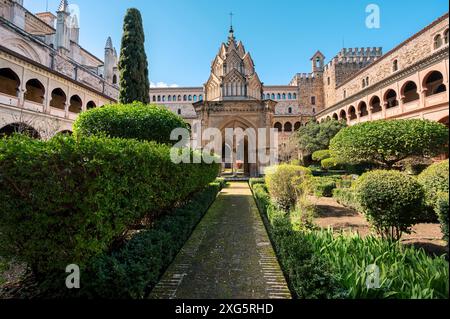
319 156
386 143
67 200
435 179
391 201
441 208
136 121
283 183
330 164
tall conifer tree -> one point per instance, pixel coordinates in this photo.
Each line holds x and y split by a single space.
133 65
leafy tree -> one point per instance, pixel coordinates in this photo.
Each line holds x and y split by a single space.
386 143
317 136
133 66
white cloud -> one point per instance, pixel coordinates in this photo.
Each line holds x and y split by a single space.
163 85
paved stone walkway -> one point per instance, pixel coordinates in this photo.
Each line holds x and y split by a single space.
229 255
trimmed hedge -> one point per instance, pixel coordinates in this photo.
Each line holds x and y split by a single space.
253 181
435 179
136 120
309 276
321 186
133 270
68 200
391 201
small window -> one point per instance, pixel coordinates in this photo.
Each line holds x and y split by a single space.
367 81
185 98
179 112
159 98
364 83
278 96
313 100
395 66
290 110
345 94
154 98
329 81
437 41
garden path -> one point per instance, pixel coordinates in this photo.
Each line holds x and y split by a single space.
229 255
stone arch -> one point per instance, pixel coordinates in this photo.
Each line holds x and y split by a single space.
76 104
19 128
288 127
352 113
297 126
375 104
91 105
23 48
9 82
335 116
35 91
409 92
433 83
362 109
343 115
278 126
59 99
390 98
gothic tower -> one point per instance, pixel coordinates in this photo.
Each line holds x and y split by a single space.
233 75
63 26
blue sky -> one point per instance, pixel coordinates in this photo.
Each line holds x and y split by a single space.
183 36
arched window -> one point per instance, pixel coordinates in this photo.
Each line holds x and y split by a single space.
375 104
410 92
335 117
343 115
91 105
290 96
59 99
179 111
169 98
35 91
154 98
278 127
159 98
278 96
446 36
364 83
75 104
352 113
287 127
114 79
297 126
190 98
295 96
174 98
272 96
164 98
195 98
184 97
395 66
200 98
284 96
290 110
437 41
362 107
9 82
391 99
434 83
20 128
367 81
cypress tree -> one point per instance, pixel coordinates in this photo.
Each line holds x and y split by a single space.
133 65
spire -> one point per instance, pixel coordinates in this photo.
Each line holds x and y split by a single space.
75 24
231 38
109 44
63 6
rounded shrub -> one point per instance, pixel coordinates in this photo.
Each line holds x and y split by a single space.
442 208
137 121
284 183
391 201
321 155
330 163
435 180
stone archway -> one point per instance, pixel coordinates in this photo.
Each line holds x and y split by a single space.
242 148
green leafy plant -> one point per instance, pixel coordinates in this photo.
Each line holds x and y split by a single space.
136 121
391 201
283 182
441 208
319 156
435 180
68 200
386 143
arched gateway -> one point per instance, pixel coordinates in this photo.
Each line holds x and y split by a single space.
233 100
